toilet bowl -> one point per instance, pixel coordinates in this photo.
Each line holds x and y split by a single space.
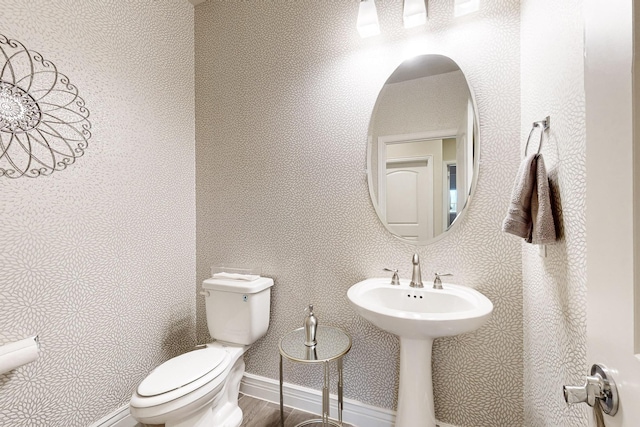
200 388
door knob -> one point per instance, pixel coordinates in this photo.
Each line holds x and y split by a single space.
599 387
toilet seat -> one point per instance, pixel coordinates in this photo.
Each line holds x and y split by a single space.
180 371
182 375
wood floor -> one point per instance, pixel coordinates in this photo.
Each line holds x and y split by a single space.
259 413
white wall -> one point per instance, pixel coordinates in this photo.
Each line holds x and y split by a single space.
612 80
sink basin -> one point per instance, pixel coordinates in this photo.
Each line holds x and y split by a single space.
420 312
418 316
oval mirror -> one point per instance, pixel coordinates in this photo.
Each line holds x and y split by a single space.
422 152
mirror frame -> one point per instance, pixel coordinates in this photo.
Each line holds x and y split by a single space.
476 162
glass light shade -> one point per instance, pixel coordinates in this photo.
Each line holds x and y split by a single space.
414 14
368 19
464 7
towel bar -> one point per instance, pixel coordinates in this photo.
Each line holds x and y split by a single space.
544 124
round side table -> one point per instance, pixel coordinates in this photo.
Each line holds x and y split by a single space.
333 344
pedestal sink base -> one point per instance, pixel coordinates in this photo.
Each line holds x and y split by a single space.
415 394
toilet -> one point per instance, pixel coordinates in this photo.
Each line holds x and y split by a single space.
200 388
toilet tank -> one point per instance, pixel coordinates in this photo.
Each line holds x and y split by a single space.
238 311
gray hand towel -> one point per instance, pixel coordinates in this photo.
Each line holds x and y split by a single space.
543 230
518 220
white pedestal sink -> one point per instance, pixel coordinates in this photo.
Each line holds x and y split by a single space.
418 316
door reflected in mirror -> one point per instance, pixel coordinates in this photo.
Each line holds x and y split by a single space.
422 152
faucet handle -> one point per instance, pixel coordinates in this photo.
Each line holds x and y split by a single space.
437 283
395 280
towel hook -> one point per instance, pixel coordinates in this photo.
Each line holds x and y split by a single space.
544 125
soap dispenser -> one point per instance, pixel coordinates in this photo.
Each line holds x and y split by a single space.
310 327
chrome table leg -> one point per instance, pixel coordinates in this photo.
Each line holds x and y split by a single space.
281 399
325 396
340 402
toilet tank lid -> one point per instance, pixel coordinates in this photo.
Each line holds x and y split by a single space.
239 286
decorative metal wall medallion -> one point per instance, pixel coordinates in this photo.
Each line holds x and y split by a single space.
44 124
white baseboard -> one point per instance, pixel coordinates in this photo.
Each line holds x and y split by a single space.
309 400
118 418
295 396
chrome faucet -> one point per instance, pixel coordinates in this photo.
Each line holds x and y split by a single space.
416 277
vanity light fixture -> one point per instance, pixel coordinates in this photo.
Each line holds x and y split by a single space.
414 13
464 7
367 22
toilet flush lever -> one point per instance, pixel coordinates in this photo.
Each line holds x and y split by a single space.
599 387
395 280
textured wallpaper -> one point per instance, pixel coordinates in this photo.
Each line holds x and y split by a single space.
555 286
284 92
99 259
